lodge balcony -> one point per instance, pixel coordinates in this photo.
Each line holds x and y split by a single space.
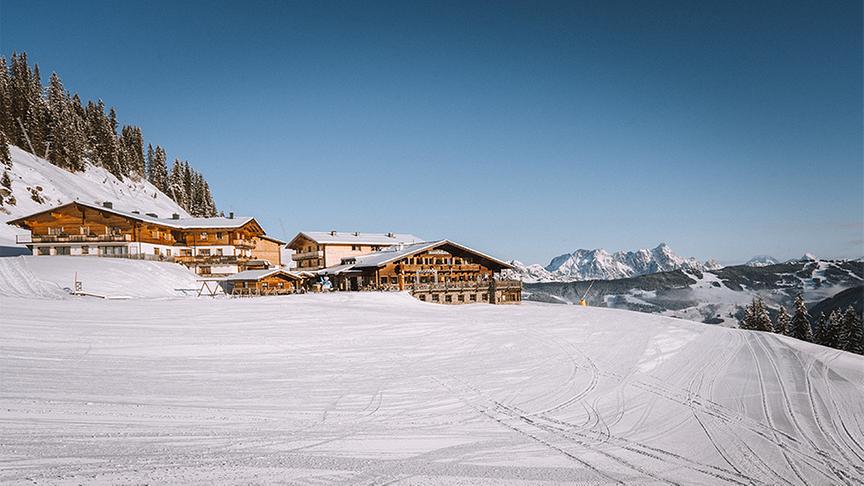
307 255
412 268
243 243
468 285
210 259
67 238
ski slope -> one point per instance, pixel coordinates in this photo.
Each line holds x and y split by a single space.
377 388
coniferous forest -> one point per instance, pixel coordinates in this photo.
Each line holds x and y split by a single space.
55 124
839 330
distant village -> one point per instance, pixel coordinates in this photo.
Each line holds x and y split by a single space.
235 256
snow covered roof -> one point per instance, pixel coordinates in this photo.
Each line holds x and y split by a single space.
180 223
397 252
356 238
259 274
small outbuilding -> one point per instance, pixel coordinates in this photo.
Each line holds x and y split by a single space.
272 281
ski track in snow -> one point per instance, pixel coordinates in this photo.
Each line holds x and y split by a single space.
380 389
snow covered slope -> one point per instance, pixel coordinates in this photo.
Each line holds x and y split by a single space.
599 264
377 388
35 178
44 277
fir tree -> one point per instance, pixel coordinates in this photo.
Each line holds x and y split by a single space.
6 181
800 325
158 175
820 330
832 330
851 335
5 157
781 325
756 317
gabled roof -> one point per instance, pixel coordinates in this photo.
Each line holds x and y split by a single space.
275 240
180 223
259 274
356 238
396 253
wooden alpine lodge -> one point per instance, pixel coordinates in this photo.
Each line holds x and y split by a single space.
236 252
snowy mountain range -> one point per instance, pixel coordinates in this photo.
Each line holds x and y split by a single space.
598 264
38 184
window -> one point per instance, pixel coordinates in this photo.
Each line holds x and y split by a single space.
461 298
423 298
376 248
219 251
448 298
265 284
168 252
62 250
383 280
204 270
185 252
204 252
394 280
85 230
485 297
39 250
473 297
218 236
157 251
85 250
355 247
203 236
434 297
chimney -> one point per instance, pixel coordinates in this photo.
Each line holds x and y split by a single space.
231 215
136 212
332 233
108 204
175 216
356 233
391 235
153 215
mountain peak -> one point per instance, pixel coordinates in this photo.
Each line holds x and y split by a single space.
599 264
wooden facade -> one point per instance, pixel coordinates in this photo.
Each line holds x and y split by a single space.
263 282
441 272
209 246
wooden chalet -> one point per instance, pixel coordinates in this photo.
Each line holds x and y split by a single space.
315 250
273 281
440 271
209 246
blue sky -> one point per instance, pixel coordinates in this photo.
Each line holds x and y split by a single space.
725 129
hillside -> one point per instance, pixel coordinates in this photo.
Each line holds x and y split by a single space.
376 388
714 296
37 184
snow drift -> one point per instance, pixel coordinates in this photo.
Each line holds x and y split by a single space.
44 277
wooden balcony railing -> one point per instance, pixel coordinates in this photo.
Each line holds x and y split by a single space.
307 255
210 259
465 267
65 238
